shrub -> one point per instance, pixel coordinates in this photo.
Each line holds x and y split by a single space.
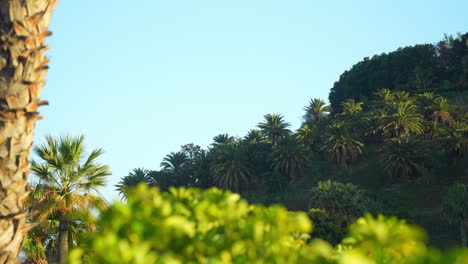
214 226
194 226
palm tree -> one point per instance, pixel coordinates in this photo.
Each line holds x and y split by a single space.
402 120
229 169
254 136
455 208
317 110
23 67
456 139
383 97
70 181
401 96
433 130
288 159
162 179
308 136
425 102
351 108
342 145
222 139
403 158
441 111
274 128
174 163
135 177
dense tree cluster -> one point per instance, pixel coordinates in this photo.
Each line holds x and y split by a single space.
415 69
412 133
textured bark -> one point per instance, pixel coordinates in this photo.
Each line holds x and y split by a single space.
23 66
63 241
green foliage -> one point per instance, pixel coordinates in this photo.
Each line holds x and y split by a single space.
455 208
343 200
34 250
289 159
351 108
401 119
403 158
457 139
274 128
69 180
388 240
325 226
317 110
192 226
212 226
413 69
67 191
343 146
135 177
456 202
229 168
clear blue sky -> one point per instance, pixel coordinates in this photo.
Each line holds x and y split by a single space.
141 78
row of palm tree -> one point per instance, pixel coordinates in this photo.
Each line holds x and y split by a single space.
271 156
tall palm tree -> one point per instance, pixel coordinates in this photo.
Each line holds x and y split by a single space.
288 159
222 139
162 179
174 162
402 120
175 165
456 139
23 67
70 180
229 169
317 110
425 102
351 108
254 136
308 136
344 147
403 158
274 128
138 175
383 98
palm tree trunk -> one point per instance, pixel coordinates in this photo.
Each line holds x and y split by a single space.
63 240
23 66
463 234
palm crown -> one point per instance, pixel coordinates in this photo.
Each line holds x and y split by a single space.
274 127
69 183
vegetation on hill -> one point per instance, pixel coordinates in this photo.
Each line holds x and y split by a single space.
439 67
